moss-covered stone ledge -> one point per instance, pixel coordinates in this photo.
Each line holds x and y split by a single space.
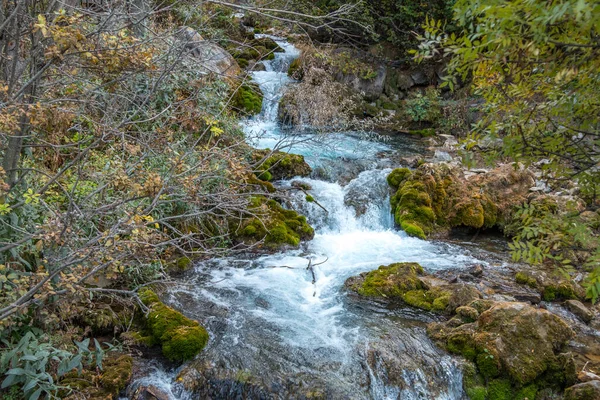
272 226
437 197
514 350
181 338
408 283
278 165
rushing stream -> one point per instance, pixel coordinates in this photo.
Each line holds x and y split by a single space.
277 334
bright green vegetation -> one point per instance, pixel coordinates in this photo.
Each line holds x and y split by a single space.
279 165
551 113
248 99
276 227
434 197
180 337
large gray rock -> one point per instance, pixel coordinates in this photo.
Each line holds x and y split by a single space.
211 58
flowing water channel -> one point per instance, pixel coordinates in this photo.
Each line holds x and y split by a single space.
276 330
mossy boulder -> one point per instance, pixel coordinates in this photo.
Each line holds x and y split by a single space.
407 282
272 224
279 165
390 281
514 347
181 338
255 50
104 384
247 99
437 197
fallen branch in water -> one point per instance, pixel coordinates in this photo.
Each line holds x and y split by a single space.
312 271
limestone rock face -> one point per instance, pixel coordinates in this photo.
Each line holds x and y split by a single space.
437 197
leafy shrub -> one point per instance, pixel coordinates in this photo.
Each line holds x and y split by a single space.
32 363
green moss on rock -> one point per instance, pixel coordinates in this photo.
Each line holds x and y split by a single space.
397 176
525 279
437 197
393 280
106 383
180 337
247 99
500 389
273 224
279 165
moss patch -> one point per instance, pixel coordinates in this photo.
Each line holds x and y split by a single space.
403 281
514 349
247 99
437 197
180 337
103 384
274 225
279 165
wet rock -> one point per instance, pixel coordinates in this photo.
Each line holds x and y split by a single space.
476 270
371 89
149 392
411 162
407 282
583 391
580 310
551 286
419 78
440 157
528 297
514 340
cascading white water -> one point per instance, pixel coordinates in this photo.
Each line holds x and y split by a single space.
295 333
